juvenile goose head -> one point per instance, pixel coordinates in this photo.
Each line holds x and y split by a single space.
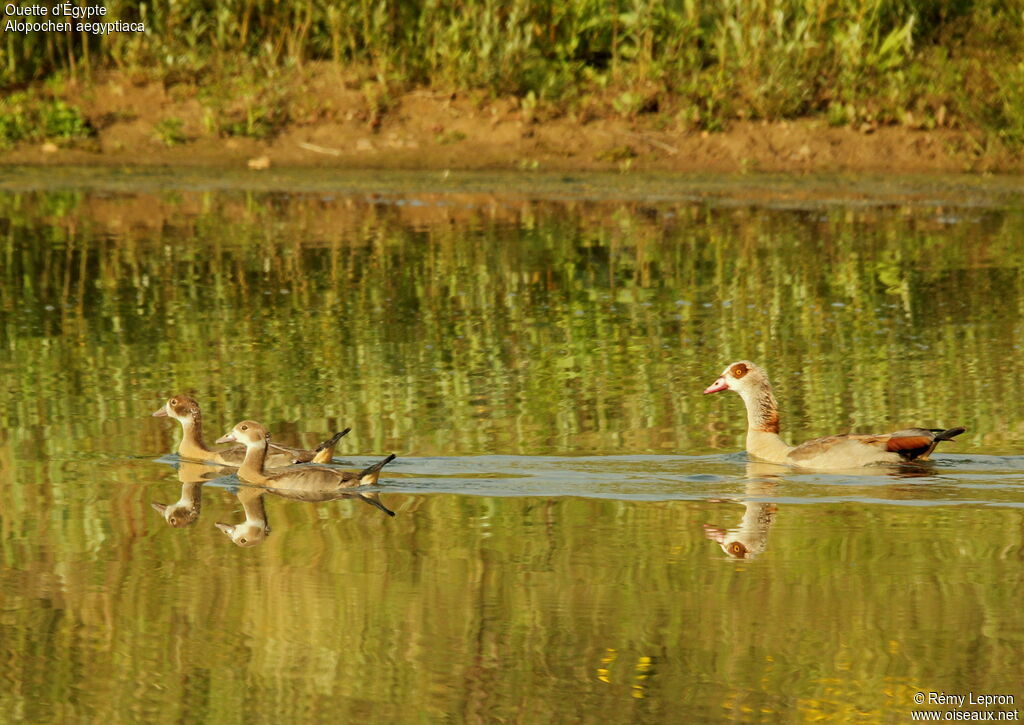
249 433
185 410
182 408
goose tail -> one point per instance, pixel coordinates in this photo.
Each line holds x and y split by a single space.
325 451
949 434
369 476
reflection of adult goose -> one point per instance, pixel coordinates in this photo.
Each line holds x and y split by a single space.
305 483
750 538
838 451
185 410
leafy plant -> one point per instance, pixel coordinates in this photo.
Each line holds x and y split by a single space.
170 132
24 117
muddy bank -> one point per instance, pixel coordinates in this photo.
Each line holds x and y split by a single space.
424 129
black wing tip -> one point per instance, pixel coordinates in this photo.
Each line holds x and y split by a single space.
950 433
375 501
332 440
377 466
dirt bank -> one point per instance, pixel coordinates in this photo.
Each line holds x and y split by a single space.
335 126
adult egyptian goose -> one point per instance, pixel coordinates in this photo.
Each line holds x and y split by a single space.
306 483
186 411
831 452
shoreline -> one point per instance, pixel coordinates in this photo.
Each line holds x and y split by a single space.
803 146
150 125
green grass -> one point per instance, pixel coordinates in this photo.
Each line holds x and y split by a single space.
849 61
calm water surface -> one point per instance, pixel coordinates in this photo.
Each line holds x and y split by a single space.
569 506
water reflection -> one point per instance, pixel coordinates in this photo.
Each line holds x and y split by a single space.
256 527
750 538
292 484
193 476
561 328
537 364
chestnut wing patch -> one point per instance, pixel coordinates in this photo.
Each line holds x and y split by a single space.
897 444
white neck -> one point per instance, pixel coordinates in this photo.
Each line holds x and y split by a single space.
251 469
763 439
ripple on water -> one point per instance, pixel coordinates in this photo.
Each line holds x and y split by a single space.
961 480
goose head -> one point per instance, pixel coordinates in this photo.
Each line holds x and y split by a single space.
249 433
180 407
742 377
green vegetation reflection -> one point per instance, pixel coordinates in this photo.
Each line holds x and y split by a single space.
465 324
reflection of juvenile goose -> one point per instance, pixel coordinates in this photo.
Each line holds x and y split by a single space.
838 451
185 410
306 483
185 511
255 527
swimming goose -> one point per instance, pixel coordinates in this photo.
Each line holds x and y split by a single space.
306 483
833 452
185 410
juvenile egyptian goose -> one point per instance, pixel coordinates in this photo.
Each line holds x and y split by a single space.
185 410
832 452
306 483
